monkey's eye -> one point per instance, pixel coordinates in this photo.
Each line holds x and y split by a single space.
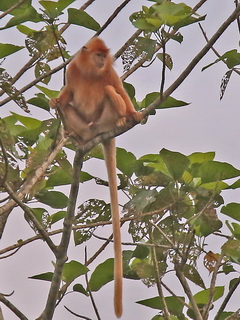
101 55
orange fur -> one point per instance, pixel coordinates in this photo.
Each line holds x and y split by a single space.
92 102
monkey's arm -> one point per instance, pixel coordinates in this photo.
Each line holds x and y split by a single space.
65 97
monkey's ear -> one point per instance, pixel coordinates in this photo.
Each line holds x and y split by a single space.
84 48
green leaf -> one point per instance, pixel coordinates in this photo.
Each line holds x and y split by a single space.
176 162
102 275
6 49
202 297
40 101
49 93
200 157
175 307
170 102
83 19
232 210
57 216
54 199
142 199
126 161
166 59
211 171
206 223
29 123
192 274
73 270
22 14
47 276
231 249
79 288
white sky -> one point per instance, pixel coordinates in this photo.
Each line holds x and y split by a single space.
205 125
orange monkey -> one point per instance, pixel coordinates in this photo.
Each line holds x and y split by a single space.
93 102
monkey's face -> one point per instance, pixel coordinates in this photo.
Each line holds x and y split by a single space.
99 59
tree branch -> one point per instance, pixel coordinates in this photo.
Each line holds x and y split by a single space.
64 243
12 307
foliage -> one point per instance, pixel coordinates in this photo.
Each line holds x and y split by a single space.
175 207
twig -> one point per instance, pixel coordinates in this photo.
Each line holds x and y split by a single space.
28 184
113 16
18 4
64 243
194 61
12 307
227 298
166 313
31 217
89 290
76 315
188 292
208 306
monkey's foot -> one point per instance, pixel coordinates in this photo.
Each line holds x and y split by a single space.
54 103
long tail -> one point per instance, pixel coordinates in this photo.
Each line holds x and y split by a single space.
110 159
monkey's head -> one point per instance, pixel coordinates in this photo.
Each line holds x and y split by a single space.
94 56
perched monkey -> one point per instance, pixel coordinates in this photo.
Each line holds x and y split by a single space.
93 102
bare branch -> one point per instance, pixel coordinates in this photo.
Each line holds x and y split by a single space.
12 307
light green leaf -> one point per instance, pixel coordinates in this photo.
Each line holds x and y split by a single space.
73 270
202 297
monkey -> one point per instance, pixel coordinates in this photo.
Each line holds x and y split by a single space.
93 102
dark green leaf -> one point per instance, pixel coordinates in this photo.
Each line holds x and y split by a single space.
192 274
79 288
175 307
232 210
73 270
81 18
7 49
54 199
47 276
102 275
176 163
40 101
125 161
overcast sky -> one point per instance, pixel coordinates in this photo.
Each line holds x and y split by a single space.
205 125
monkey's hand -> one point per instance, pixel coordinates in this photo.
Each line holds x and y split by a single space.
137 116
55 103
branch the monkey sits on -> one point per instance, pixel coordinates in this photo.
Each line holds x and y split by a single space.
92 102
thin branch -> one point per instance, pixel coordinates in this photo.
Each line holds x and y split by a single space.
89 290
28 184
82 8
208 306
31 217
227 298
15 6
112 17
166 313
64 243
188 292
215 51
12 307
77 315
